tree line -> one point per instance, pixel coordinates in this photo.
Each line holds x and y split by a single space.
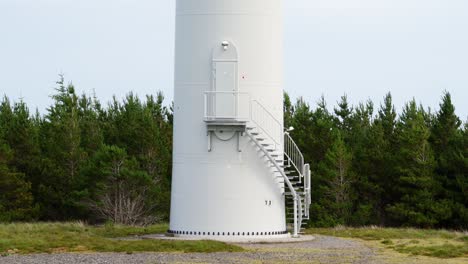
82 160
376 167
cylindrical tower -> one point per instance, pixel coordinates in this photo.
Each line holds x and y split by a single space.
228 80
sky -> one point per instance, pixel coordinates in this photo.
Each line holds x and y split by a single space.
361 48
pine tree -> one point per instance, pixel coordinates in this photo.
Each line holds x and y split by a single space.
144 130
384 150
416 205
344 113
62 157
387 115
447 142
124 194
462 180
89 111
16 200
314 135
21 134
302 123
335 202
363 142
288 110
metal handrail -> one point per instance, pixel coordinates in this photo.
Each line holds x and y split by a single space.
297 199
267 122
294 154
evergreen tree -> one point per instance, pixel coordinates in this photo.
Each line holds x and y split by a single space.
302 123
21 134
16 200
145 131
447 142
89 111
387 116
62 157
464 180
334 186
384 151
157 156
415 205
344 113
313 134
124 194
363 148
288 110
316 129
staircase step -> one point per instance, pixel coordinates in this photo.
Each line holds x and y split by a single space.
291 205
281 166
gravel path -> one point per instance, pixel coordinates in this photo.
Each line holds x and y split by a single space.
322 250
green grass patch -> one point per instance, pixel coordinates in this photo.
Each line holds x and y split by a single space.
113 231
78 237
432 243
387 242
439 251
377 233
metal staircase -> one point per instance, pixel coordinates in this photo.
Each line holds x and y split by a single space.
280 153
287 165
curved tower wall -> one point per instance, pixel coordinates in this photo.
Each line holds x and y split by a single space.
224 190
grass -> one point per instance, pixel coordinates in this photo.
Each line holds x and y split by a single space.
23 238
79 237
418 242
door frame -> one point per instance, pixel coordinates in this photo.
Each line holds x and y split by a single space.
221 54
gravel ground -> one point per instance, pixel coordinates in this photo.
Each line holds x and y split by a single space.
322 250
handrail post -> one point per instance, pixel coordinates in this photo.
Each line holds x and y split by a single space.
299 214
309 187
306 189
296 233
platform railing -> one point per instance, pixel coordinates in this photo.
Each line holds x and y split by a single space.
228 106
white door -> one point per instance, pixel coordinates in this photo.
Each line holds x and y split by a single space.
226 89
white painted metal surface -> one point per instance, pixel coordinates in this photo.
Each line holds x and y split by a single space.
226 46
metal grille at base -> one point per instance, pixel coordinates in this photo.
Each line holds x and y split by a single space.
192 233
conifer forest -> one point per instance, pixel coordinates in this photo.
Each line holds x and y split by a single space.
372 164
